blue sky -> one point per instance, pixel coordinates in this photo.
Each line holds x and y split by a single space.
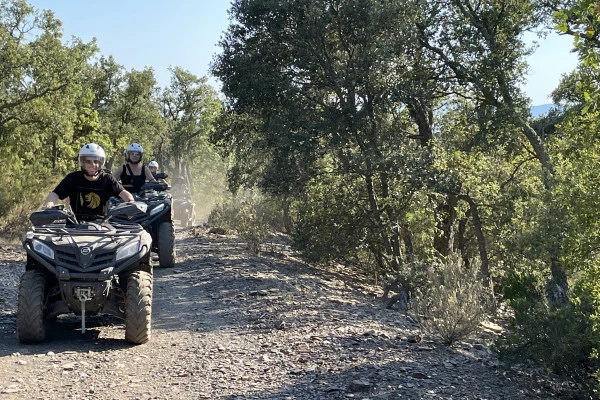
547 64
185 33
147 33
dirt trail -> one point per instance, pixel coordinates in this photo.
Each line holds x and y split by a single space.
231 325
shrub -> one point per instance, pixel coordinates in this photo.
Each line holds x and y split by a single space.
251 216
563 340
455 303
411 276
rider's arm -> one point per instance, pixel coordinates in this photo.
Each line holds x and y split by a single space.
126 196
149 175
116 189
62 190
50 200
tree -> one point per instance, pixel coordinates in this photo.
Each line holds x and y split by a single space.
190 108
127 106
341 104
480 50
41 101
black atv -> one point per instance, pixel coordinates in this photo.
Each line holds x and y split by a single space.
86 268
158 220
184 211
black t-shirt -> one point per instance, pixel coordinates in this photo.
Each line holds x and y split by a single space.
88 199
133 183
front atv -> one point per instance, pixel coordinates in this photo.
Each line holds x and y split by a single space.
86 268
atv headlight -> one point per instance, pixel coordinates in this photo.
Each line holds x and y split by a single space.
128 251
157 209
42 248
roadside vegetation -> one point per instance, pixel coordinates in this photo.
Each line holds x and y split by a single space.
391 137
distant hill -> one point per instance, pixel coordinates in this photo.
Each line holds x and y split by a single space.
540 110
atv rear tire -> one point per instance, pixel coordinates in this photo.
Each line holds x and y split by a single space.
31 326
166 245
138 307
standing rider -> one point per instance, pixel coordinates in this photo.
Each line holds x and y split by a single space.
134 174
89 189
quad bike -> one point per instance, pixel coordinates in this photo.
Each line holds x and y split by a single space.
184 211
158 219
88 268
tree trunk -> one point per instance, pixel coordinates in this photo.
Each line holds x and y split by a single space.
287 220
443 242
478 227
557 288
462 241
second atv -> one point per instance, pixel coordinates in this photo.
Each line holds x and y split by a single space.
158 220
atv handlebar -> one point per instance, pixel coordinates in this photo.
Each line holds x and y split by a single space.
158 186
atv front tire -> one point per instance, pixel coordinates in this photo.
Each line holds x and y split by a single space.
188 219
166 245
31 326
138 307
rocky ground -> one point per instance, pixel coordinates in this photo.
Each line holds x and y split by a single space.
228 324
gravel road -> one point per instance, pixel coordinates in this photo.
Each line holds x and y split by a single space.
228 324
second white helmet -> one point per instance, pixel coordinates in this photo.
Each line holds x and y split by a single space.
134 148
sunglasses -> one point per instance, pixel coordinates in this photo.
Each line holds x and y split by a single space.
135 153
90 162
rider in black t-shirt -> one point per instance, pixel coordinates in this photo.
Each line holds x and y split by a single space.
89 189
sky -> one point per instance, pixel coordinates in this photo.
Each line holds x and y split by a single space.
147 33
185 33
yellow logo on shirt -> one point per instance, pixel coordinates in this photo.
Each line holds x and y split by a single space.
93 200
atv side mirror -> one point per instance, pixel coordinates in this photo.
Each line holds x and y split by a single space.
50 216
161 175
129 210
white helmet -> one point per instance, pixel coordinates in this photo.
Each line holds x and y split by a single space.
92 150
153 164
134 147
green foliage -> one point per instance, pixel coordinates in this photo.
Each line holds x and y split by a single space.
331 223
126 105
455 301
564 340
58 96
190 108
252 215
523 289
581 20
327 124
41 104
363 127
